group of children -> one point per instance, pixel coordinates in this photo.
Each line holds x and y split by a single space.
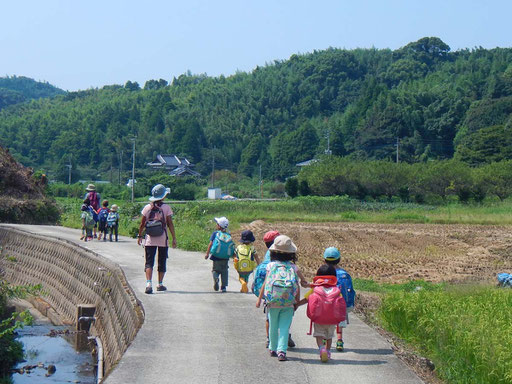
276 283
103 219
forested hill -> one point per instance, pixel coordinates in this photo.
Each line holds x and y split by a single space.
436 103
17 89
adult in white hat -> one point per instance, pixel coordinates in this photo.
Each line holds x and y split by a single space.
156 218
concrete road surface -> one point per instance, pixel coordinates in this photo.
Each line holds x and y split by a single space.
192 334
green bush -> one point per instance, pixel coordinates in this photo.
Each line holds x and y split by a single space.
11 350
292 187
434 181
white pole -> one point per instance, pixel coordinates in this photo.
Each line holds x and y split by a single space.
133 169
261 185
69 174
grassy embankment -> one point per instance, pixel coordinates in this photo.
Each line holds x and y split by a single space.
466 331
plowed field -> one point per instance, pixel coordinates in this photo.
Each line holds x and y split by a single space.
399 252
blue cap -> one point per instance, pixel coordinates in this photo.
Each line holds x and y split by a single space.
332 254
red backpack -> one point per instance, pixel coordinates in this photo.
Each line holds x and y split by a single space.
93 199
326 304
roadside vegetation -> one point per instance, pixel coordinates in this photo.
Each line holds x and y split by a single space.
465 330
11 350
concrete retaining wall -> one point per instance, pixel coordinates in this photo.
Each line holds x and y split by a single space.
71 275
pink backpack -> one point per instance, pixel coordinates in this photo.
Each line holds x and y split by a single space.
326 304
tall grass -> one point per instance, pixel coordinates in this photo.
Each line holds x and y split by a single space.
466 331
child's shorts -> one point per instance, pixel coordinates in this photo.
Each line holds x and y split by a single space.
325 331
343 324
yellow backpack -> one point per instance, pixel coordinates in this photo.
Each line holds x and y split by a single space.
245 262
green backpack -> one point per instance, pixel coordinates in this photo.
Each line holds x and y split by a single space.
88 219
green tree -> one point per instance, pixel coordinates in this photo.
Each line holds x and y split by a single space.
292 187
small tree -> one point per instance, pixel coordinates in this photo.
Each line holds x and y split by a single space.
292 187
304 188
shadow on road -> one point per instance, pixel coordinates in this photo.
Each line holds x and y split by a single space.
370 351
195 293
338 358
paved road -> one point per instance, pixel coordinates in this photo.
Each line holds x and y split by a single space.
192 334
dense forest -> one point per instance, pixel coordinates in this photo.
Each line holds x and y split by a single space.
18 89
420 102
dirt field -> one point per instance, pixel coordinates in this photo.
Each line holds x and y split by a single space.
399 252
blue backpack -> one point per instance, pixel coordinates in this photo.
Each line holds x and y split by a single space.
259 275
505 279
112 219
102 216
346 287
223 246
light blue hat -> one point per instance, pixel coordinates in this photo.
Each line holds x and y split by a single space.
332 254
159 192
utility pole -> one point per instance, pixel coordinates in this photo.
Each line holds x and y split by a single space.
120 168
213 165
261 185
328 137
133 167
69 170
397 144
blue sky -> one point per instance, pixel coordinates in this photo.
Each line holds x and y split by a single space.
78 45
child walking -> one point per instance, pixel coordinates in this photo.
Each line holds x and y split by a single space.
246 259
113 221
326 308
344 282
281 291
87 220
220 249
102 220
260 274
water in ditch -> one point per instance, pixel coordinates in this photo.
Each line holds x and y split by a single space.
54 354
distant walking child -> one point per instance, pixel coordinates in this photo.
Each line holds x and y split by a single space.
246 259
102 220
113 222
87 220
332 257
326 308
281 291
220 249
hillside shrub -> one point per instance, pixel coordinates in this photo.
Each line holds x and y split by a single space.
433 182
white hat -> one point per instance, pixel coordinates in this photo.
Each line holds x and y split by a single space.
222 221
159 192
283 244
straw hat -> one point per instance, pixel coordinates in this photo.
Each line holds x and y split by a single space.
283 244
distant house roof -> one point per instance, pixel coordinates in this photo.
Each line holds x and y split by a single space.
183 171
306 163
168 161
178 166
